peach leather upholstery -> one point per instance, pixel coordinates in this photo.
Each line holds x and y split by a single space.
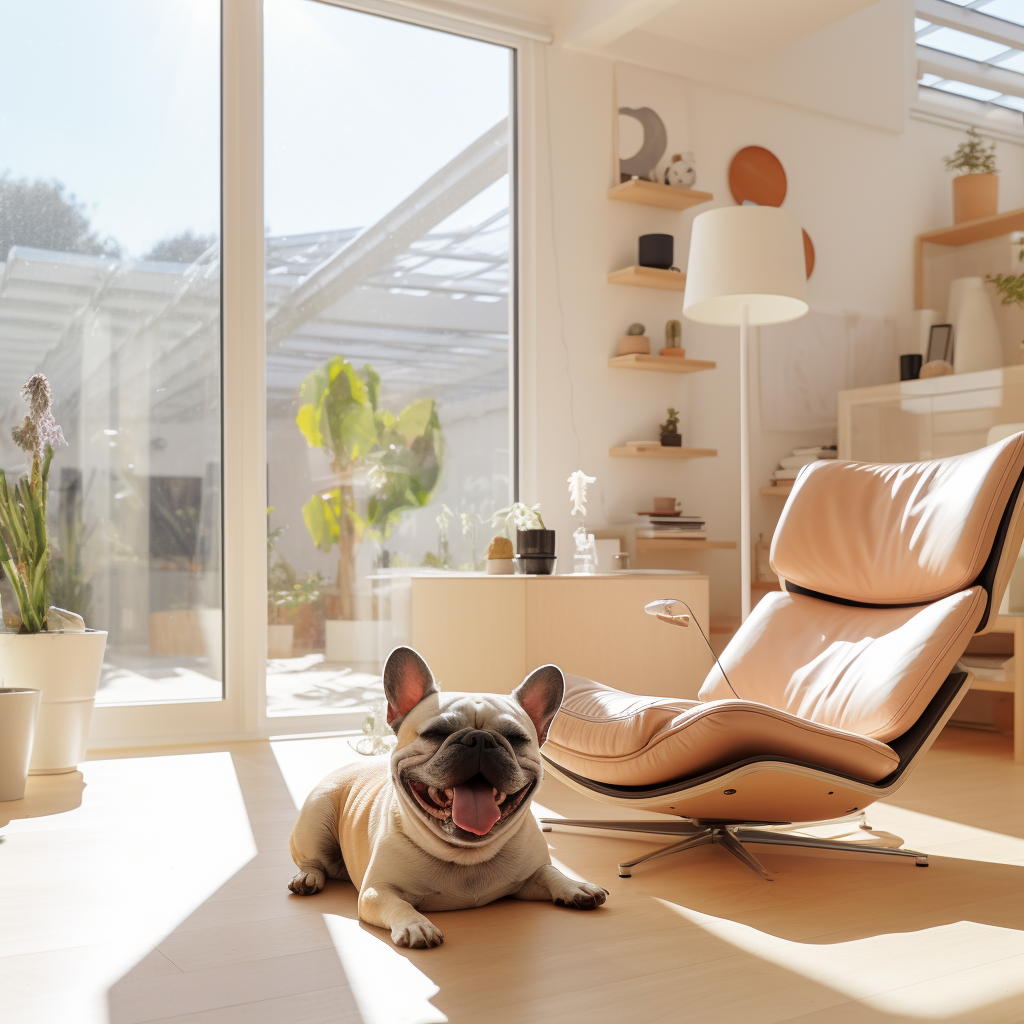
618 738
902 533
870 671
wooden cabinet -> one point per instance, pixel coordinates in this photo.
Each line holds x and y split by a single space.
485 633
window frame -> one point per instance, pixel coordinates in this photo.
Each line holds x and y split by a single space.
242 712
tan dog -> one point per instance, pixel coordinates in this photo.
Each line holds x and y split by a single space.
449 825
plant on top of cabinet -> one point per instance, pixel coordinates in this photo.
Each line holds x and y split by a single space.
669 430
976 186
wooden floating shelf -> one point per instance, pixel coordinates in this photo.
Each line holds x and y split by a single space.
776 492
977 230
649 277
651 193
657 451
662 364
682 544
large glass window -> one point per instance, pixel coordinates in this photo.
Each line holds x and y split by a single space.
110 285
388 339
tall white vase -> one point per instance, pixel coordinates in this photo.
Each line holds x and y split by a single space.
66 667
976 344
19 710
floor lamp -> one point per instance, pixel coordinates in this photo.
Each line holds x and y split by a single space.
746 267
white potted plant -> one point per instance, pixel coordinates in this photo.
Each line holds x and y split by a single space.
19 709
47 653
976 186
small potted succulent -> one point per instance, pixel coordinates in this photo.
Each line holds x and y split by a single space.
669 430
976 186
51 651
535 544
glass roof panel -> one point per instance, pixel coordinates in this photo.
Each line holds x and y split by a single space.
963 89
962 44
1008 10
1014 62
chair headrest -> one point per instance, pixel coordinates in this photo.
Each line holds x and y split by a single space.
898 533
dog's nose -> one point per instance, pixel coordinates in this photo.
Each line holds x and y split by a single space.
479 738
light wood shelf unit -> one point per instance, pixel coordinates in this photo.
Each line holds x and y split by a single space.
661 364
649 277
776 492
969 231
651 193
645 545
657 451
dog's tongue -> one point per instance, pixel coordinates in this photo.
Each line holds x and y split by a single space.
474 807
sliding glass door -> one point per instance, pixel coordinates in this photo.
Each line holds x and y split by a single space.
110 286
388 193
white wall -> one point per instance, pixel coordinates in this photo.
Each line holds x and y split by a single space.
862 193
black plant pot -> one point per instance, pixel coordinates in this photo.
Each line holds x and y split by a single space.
672 440
656 251
536 543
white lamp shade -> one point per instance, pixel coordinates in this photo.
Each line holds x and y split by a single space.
746 255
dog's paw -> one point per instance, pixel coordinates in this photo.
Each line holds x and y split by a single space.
417 935
307 882
581 895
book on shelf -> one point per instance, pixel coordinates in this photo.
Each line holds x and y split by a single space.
678 524
821 451
649 533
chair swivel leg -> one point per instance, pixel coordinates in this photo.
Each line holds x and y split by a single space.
700 839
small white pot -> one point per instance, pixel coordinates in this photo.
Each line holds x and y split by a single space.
66 668
280 640
500 566
19 710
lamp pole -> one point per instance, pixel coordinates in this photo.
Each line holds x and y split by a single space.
744 469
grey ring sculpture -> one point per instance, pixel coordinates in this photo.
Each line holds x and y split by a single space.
645 160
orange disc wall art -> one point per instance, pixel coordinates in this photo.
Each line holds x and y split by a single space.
756 175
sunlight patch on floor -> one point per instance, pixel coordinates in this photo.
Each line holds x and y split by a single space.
387 987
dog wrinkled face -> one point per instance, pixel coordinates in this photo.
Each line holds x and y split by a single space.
467 763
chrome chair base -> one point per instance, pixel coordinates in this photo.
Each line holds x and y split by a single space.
693 833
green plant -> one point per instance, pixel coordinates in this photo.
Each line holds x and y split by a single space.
671 425
399 455
70 587
519 516
1010 286
24 538
288 596
973 156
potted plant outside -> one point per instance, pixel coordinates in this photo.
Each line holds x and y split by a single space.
398 455
976 186
64 664
669 430
1010 287
535 544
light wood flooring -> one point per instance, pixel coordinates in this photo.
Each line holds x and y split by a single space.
156 891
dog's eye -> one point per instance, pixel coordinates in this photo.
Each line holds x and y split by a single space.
516 737
437 735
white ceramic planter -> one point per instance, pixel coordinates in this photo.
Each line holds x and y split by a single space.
357 642
280 640
19 709
66 668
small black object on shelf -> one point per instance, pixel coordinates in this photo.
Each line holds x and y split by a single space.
657 251
910 366
536 553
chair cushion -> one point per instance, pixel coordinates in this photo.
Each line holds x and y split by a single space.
626 740
870 671
902 533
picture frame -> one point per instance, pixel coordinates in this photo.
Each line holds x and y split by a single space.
940 343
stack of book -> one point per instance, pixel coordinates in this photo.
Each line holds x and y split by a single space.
671 526
790 466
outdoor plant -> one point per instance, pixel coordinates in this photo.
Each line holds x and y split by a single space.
24 540
671 425
399 455
286 597
973 156
70 584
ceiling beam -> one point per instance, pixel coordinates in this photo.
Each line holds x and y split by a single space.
941 12
597 24
961 69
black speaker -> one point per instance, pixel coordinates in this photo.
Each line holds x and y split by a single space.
657 251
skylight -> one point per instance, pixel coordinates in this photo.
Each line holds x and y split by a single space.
972 48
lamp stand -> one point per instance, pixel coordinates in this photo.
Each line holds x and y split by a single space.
744 469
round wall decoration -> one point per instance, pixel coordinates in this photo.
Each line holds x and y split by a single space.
808 254
757 176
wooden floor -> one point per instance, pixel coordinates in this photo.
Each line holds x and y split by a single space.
157 892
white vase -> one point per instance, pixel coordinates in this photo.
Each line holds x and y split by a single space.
66 668
976 343
280 640
19 710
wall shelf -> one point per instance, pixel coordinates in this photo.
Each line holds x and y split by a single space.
969 231
651 193
645 544
649 277
776 492
662 364
657 451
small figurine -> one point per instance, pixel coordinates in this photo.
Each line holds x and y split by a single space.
681 172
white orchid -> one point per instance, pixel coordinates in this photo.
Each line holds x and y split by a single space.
578 491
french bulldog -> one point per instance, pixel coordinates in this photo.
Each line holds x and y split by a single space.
447 824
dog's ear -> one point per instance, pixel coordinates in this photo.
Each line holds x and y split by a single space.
407 680
540 695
